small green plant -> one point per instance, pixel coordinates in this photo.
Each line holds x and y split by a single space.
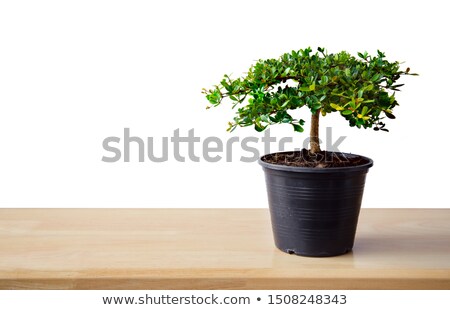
362 89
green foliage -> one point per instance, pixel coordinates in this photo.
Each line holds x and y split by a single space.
362 89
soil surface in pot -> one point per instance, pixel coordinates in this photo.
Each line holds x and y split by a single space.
305 158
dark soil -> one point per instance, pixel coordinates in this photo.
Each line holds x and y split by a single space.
322 159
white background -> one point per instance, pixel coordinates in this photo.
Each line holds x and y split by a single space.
75 72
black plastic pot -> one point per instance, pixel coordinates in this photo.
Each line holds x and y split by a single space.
315 211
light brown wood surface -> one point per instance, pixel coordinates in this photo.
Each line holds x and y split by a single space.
213 249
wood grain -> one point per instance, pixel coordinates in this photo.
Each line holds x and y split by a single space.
213 249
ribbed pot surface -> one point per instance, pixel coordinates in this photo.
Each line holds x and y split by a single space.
314 211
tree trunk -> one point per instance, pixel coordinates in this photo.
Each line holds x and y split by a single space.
314 133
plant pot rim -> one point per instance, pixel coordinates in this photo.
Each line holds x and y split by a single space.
365 166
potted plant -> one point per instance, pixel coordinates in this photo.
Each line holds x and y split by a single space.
314 195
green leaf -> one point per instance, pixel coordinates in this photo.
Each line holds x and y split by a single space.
231 128
347 112
376 77
317 106
265 118
225 84
360 121
360 93
286 72
298 128
364 110
336 107
352 103
312 87
389 115
397 86
285 104
259 128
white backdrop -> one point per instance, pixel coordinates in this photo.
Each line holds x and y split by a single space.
75 72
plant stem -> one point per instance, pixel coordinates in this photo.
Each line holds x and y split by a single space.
314 133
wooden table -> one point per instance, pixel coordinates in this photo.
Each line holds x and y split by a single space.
213 249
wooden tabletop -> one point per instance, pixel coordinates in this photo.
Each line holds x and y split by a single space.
213 249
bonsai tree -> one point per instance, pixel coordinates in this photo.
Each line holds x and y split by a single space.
362 89
314 212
